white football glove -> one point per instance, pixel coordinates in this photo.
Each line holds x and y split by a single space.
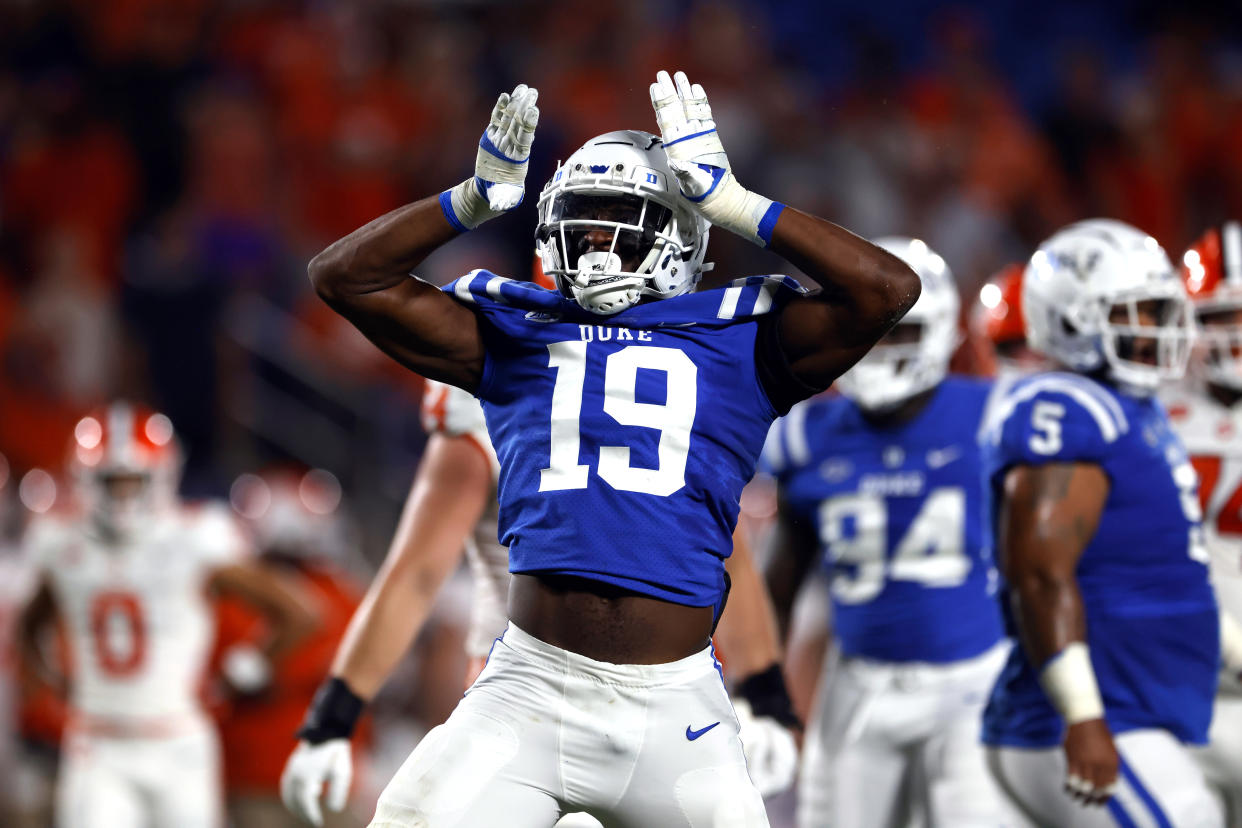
500 165
771 752
308 768
698 160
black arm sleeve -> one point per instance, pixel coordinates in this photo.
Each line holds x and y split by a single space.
775 376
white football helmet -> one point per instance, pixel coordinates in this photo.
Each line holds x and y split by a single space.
126 463
914 356
1212 272
291 514
619 184
1081 294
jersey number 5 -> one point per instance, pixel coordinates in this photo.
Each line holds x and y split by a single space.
673 418
119 632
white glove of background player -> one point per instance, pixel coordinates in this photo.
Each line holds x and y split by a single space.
500 164
771 752
308 769
698 160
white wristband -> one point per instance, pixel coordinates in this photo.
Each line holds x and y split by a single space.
1069 682
1230 643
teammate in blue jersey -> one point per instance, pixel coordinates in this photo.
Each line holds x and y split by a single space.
627 412
1098 536
883 486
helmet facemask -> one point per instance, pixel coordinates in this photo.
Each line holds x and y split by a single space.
1147 337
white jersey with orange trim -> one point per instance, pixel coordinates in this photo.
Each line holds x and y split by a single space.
1213 436
136 612
453 412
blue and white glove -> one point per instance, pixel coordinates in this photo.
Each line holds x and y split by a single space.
698 160
500 166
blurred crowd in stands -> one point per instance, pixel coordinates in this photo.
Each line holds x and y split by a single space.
167 167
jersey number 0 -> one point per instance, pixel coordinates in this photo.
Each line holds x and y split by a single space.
119 632
673 418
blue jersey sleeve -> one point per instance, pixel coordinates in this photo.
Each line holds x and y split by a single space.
1054 418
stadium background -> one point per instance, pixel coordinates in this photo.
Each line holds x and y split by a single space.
167 167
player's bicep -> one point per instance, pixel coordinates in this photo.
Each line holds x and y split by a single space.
1047 517
421 327
449 495
810 344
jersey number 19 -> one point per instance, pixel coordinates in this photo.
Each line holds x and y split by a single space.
673 418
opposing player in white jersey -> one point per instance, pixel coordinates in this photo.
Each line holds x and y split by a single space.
1098 535
452 506
129 574
882 486
1207 414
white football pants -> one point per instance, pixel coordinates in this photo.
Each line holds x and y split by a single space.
886 738
1160 786
1221 760
543 732
147 782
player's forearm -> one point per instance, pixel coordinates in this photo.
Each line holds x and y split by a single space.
1049 613
379 634
789 561
874 285
382 253
748 630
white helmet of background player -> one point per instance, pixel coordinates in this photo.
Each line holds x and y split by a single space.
619 183
1212 271
914 356
1081 295
291 514
125 463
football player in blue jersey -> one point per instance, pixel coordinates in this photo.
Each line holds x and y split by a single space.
627 413
1098 537
883 486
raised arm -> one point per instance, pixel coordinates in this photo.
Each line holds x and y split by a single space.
367 275
865 289
1047 517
